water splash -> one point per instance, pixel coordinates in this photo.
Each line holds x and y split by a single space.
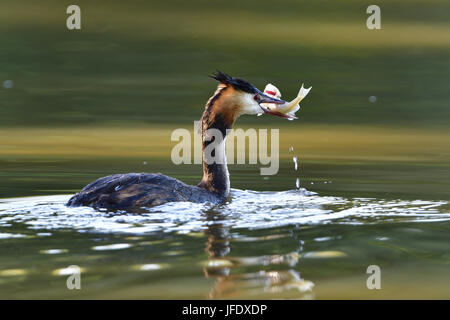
295 160
247 209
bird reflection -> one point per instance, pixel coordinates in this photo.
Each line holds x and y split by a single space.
247 277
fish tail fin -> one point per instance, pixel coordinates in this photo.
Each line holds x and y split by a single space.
303 91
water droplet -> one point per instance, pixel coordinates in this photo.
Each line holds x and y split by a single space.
8 84
259 114
291 148
297 183
144 163
295 159
372 99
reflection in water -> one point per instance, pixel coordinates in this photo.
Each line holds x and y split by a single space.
254 284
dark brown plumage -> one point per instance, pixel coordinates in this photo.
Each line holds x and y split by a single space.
121 191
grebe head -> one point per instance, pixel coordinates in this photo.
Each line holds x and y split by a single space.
242 97
233 98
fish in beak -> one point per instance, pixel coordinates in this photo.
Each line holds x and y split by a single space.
265 99
286 110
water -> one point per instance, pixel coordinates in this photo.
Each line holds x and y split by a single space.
367 202
247 209
290 244
372 139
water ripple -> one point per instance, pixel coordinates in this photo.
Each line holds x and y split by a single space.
247 209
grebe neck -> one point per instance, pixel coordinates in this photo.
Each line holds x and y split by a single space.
219 116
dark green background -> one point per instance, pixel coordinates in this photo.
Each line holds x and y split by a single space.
148 61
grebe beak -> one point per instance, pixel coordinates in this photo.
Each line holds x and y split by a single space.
261 97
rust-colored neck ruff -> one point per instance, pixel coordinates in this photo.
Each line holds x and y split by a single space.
220 113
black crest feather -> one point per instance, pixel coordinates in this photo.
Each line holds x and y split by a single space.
237 83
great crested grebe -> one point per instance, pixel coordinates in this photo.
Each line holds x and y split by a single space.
233 98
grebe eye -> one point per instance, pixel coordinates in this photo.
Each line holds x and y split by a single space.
255 97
